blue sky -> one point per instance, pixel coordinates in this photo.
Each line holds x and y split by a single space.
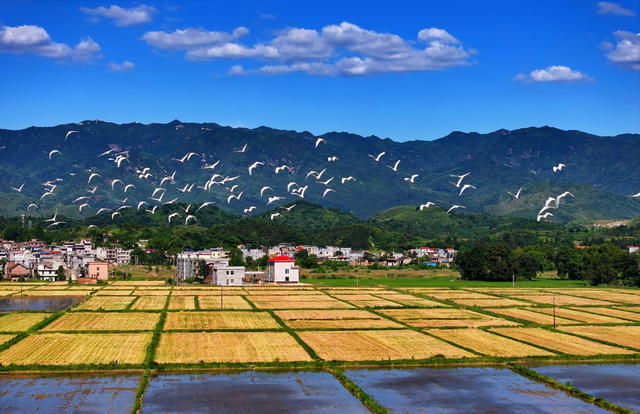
402 69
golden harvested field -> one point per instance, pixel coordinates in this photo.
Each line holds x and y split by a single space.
228 302
21 321
150 303
144 288
196 292
409 300
459 294
616 313
5 338
151 292
123 288
139 283
334 319
83 288
375 303
105 303
271 292
7 292
50 287
423 318
489 344
619 335
220 320
114 292
351 298
290 298
579 316
378 345
84 348
54 293
182 302
112 321
531 316
193 347
613 297
560 342
326 304
562 300
489 303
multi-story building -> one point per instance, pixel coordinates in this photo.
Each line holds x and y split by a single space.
187 262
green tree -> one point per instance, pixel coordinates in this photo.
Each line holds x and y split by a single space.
527 264
306 260
235 257
488 261
60 276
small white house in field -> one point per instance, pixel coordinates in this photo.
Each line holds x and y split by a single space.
223 275
283 269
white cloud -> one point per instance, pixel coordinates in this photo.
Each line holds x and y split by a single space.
121 16
191 38
34 40
553 74
344 49
125 66
606 7
626 52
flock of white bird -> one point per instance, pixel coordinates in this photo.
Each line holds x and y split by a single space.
232 186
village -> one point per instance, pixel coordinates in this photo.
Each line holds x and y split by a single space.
83 262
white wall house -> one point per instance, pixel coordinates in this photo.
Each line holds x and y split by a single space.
222 275
283 269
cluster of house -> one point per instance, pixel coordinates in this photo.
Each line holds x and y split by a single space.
80 261
281 266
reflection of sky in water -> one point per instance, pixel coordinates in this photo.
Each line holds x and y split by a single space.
38 304
250 392
455 390
616 383
67 394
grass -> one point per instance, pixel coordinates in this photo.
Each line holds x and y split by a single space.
438 281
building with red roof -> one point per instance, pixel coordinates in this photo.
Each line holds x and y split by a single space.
283 269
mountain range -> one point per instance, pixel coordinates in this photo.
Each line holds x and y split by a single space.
601 172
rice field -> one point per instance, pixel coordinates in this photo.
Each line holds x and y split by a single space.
616 313
112 321
5 338
334 319
409 300
220 320
580 316
378 345
528 315
227 302
449 317
16 322
150 303
193 347
54 293
324 304
560 342
562 300
105 303
489 344
84 348
114 292
182 302
489 303
620 335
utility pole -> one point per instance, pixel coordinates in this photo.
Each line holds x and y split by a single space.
554 311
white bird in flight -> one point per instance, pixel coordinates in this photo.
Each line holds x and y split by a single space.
203 205
243 149
395 166
56 223
282 168
186 157
31 205
237 197
327 191
345 179
561 196
69 133
460 178
140 203
265 188
114 214
319 140
517 194
249 209
80 199
426 205
300 191
558 167
289 208
325 182
332 158
19 189
128 186
152 210
212 166
92 176
464 187
106 152
544 216
377 157
171 178
102 210
172 216
254 165
93 190
52 219
274 199
54 152
274 215
455 206
291 184
411 179
189 217
636 195
81 206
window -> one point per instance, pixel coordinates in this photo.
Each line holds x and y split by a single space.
232 272
286 272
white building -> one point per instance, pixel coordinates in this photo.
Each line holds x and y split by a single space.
283 269
187 262
45 271
633 249
222 275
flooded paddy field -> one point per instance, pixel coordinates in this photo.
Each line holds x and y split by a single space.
616 383
67 393
246 392
52 303
455 390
